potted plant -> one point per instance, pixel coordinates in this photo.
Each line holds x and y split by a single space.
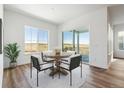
12 52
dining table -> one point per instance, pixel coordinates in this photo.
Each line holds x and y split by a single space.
57 58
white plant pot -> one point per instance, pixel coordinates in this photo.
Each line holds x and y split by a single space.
13 64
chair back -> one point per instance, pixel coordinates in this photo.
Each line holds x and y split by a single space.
71 52
75 62
43 57
35 63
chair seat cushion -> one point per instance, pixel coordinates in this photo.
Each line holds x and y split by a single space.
45 66
65 59
71 52
49 59
63 65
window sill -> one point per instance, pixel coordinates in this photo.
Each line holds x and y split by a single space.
30 53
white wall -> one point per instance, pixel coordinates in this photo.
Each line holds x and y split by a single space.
14 32
1 55
97 23
117 52
110 37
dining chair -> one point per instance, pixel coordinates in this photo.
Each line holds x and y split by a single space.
71 53
45 59
75 61
40 67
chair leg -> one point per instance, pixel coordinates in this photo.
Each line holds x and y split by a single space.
59 72
53 71
31 70
70 78
81 69
37 79
44 71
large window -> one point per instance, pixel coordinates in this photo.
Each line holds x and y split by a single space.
77 41
35 39
121 40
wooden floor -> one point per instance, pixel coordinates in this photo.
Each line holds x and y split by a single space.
100 78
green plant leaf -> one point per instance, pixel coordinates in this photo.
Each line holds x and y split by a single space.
12 51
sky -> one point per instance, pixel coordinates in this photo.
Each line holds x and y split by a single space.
84 38
34 35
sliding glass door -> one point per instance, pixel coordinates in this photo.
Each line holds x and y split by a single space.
68 41
77 41
84 45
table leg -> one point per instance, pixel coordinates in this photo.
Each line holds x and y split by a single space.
53 72
63 72
56 71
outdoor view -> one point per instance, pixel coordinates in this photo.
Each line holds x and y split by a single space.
81 45
68 41
35 39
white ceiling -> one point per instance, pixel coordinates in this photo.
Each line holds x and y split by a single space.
55 13
117 14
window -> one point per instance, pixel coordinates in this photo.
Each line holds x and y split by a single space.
35 39
67 41
77 41
121 40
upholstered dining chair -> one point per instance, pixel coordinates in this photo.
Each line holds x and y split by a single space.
45 59
40 67
74 62
71 53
